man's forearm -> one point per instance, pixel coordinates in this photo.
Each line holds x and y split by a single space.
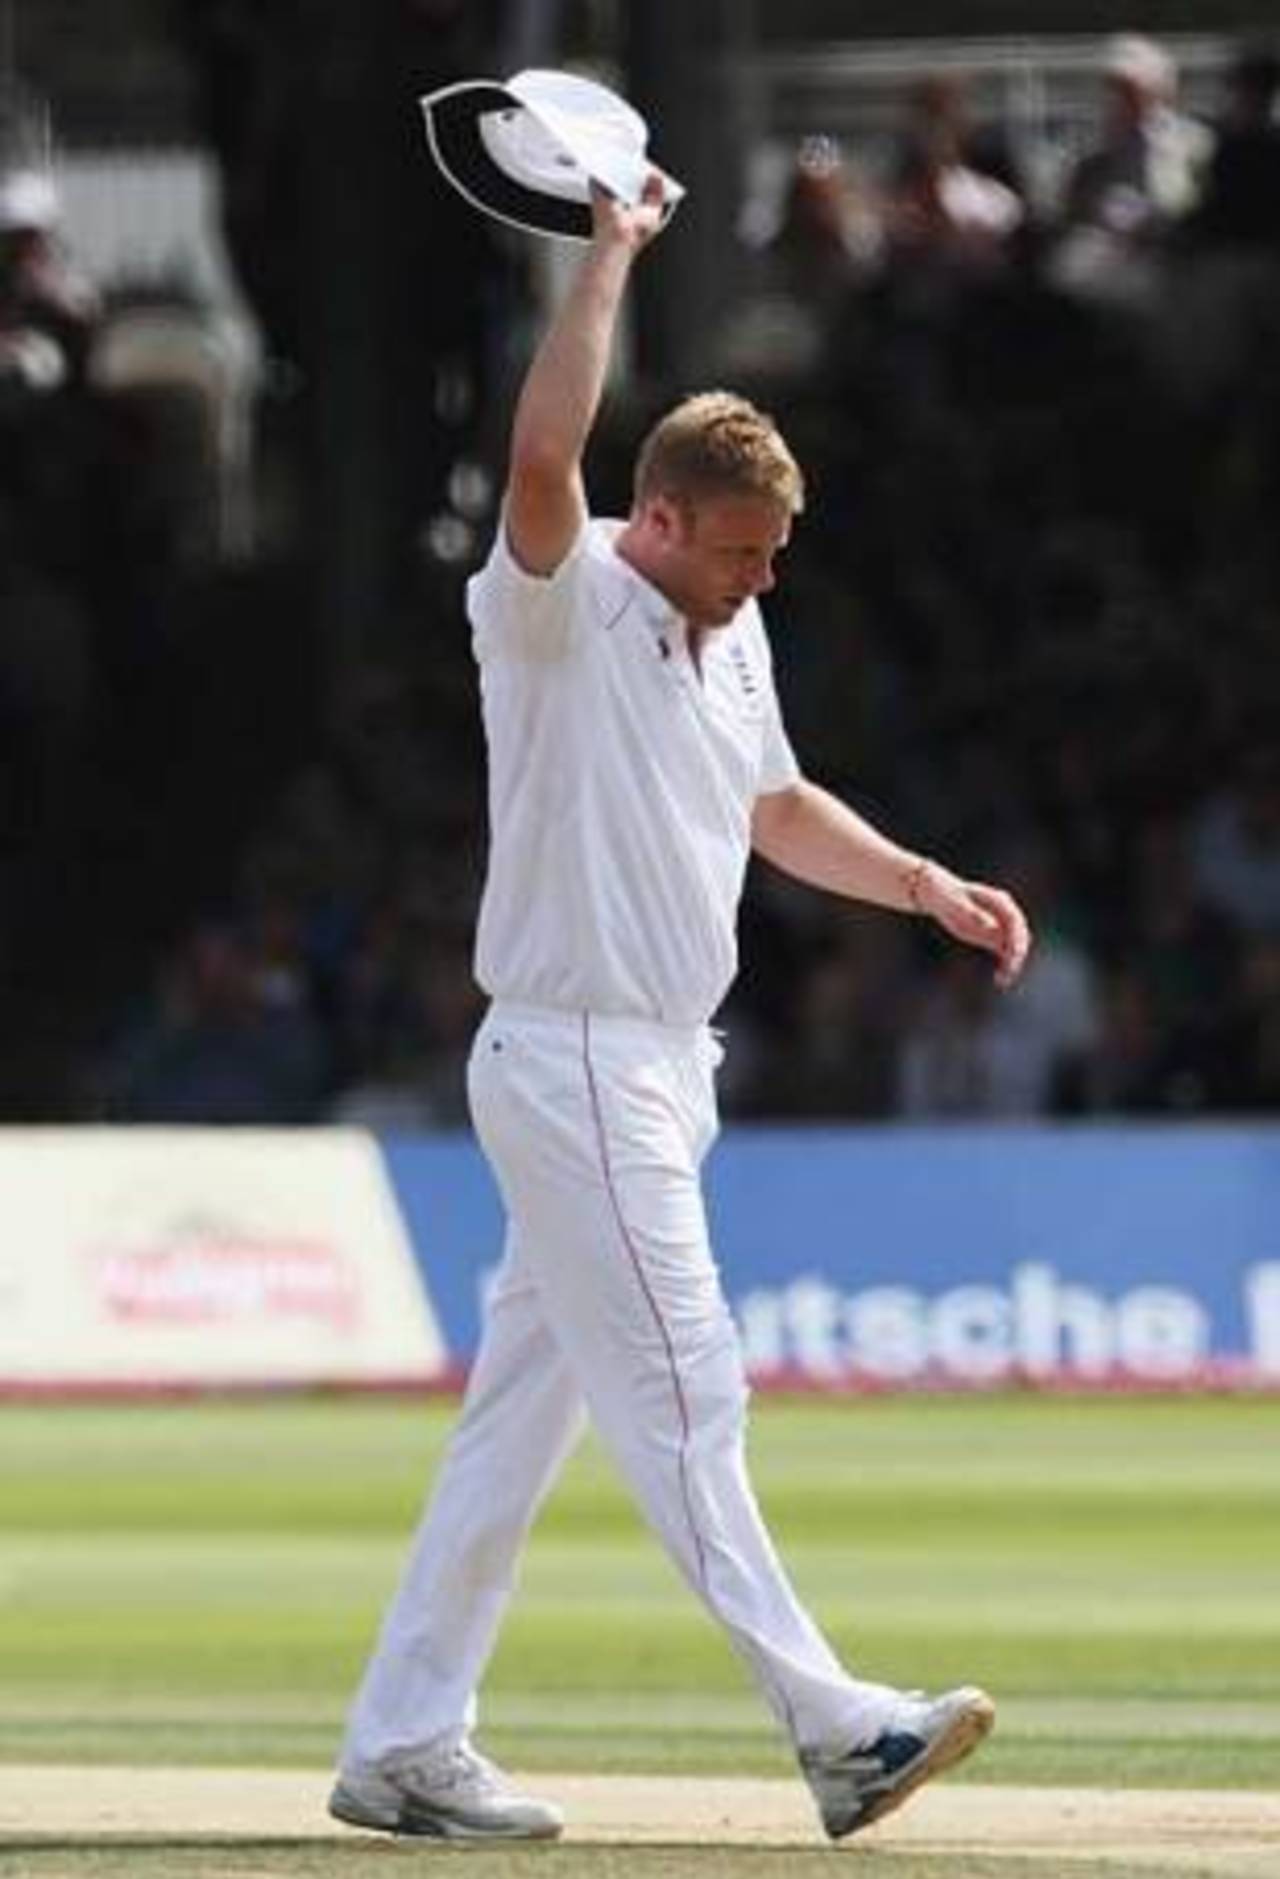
819 839
811 834
563 387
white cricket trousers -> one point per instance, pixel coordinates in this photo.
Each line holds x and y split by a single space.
608 1298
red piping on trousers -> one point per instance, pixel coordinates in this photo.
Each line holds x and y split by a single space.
682 1407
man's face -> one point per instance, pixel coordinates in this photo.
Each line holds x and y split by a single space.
712 556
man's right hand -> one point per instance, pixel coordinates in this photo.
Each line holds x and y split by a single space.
634 228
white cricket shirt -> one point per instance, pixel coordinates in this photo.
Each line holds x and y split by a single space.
621 786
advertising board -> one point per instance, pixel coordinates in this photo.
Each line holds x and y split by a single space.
892 1257
204 1258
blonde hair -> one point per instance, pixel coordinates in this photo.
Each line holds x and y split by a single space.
717 444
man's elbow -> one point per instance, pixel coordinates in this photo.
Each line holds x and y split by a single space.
544 512
538 456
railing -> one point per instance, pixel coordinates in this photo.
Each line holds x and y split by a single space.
1044 90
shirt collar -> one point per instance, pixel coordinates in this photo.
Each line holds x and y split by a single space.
632 588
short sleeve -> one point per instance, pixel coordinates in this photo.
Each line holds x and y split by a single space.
521 615
778 767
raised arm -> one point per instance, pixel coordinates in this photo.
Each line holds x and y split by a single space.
545 504
811 834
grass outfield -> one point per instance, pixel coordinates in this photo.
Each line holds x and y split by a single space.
199 1583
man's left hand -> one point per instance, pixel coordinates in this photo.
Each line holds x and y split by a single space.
979 915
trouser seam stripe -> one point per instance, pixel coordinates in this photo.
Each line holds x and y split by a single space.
637 1266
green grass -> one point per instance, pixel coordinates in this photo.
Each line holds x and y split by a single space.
199 1583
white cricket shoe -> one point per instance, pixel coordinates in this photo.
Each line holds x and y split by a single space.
924 1736
456 1796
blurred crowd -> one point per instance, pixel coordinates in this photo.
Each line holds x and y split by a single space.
1030 624
1037 632
122 630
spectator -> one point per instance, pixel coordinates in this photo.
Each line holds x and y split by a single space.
1051 1017
415 1073
960 1058
1188 955
1124 196
1240 205
838 1048
938 203
799 276
1221 322
47 315
1236 855
230 1040
47 309
1125 1073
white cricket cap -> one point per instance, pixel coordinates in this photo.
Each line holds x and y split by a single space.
527 151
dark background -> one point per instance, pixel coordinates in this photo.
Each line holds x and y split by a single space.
1029 622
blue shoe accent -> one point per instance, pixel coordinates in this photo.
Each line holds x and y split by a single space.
864 1784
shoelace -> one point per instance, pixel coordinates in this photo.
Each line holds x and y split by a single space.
466 1768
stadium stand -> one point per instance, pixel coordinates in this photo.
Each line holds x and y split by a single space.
1030 619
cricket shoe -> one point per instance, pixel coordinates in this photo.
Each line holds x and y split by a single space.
924 1736
458 1796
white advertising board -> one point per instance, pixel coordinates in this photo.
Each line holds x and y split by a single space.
177 1258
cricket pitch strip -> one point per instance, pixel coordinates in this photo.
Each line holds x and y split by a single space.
1171 1830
